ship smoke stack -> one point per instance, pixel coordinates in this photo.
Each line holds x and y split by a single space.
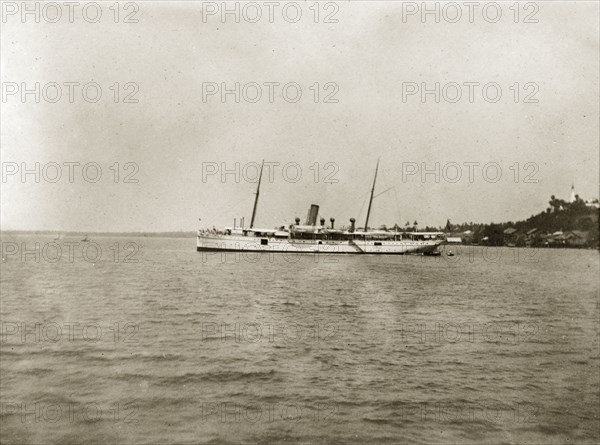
352 221
332 222
322 221
313 213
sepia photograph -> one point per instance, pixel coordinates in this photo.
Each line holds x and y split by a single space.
300 222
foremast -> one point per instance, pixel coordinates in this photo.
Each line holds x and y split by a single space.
257 193
371 198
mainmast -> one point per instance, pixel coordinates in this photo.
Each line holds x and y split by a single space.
371 199
257 193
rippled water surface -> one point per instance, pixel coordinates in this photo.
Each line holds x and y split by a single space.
487 346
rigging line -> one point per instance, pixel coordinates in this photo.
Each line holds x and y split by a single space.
381 193
397 208
385 177
362 207
346 208
384 180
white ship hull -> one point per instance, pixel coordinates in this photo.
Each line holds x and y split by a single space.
312 238
234 243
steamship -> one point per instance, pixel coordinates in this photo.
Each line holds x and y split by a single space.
313 237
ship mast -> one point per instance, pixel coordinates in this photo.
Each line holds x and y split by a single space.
371 199
257 193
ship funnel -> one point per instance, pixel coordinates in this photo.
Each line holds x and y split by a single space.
352 221
332 220
322 221
313 213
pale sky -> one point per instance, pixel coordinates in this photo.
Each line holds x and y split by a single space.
369 53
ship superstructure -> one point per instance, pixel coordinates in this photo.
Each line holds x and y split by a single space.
316 237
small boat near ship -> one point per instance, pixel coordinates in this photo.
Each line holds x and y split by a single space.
317 237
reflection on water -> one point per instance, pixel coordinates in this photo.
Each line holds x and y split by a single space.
148 341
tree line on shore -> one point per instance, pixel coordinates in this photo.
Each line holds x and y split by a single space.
559 217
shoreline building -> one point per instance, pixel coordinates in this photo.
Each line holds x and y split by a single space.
573 196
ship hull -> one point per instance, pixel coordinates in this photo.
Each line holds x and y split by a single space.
230 243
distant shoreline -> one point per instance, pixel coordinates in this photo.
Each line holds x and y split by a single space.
91 234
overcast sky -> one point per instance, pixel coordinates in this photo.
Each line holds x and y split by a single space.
172 133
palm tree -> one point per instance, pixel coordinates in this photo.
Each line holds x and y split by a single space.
552 202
